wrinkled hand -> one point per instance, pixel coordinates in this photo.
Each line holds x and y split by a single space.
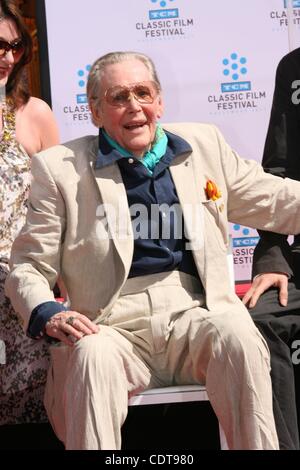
70 327
263 282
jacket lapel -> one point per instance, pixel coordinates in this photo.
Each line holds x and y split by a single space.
191 198
115 207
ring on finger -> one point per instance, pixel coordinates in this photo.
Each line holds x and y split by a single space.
70 320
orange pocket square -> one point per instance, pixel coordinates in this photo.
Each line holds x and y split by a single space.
212 190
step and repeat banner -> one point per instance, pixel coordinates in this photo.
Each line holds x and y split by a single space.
216 61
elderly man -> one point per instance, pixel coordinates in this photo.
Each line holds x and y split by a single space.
135 222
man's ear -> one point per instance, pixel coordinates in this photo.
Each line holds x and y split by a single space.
160 109
96 113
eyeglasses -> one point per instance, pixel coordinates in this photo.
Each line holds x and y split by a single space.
16 47
143 92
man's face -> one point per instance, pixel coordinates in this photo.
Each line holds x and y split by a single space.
133 124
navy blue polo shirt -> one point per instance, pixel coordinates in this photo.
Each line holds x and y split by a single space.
157 220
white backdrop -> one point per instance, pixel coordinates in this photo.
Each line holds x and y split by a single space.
216 61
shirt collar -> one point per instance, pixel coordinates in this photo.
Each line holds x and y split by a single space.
108 155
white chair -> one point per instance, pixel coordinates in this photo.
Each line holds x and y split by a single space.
175 394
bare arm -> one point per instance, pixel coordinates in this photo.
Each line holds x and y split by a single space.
36 127
49 134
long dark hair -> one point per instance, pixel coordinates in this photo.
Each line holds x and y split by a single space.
15 88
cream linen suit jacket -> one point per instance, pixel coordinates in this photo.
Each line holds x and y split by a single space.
64 232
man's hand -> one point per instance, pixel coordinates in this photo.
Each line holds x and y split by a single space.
263 282
70 326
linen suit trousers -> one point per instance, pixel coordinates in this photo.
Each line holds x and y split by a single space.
160 333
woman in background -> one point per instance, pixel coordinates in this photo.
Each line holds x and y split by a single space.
27 126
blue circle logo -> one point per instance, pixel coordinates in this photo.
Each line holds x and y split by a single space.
162 3
82 74
234 66
245 230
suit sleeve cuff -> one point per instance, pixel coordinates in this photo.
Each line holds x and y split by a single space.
39 317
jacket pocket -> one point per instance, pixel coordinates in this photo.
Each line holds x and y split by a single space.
216 212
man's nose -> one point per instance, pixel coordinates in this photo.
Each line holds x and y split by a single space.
132 101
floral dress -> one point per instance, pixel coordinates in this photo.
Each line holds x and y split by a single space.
23 361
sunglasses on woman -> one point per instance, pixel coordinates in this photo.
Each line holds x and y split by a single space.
143 92
17 48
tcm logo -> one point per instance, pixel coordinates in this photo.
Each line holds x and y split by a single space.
235 69
244 241
82 75
164 12
296 3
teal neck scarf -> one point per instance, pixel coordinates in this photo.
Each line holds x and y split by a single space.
152 156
